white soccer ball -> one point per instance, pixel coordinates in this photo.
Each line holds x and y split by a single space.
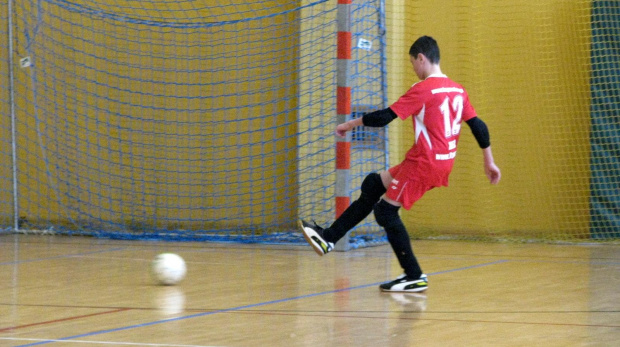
168 268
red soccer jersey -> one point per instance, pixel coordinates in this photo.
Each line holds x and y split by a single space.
438 106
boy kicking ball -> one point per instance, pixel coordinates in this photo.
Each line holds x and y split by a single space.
437 106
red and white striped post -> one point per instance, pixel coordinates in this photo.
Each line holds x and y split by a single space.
343 110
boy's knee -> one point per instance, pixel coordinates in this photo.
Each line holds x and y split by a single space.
386 214
372 187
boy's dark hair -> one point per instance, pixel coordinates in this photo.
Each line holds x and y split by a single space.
427 46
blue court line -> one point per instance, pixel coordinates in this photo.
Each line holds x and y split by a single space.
62 256
239 308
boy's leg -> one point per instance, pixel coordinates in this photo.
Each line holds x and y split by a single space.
323 240
387 217
372 190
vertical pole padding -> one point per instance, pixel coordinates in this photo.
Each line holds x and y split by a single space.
343 105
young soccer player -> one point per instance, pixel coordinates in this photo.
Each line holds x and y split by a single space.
437 106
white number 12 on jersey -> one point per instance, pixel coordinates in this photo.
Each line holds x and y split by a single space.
452 128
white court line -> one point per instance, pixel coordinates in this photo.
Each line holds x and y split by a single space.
104 342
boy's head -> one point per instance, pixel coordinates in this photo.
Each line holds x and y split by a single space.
427 46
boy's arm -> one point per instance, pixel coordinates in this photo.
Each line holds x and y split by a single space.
490 169
481 133
379 118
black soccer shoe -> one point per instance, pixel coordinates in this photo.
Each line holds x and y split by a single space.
314 236
406 285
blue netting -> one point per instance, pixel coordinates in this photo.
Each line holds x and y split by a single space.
184 120
605 121
6 167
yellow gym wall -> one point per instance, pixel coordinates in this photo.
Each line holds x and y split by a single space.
525 65
6 169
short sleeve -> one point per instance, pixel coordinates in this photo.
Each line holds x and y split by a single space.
409 104
468 110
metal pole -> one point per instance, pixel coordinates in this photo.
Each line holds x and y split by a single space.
384 85
343 107
13 130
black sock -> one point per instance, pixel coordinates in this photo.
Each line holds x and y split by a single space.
354 214
387 216
401 244
372 190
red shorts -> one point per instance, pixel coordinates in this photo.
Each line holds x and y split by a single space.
406 187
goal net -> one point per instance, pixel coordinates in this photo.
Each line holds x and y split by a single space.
544 75
181 120
214 121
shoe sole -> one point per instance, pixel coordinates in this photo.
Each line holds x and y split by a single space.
316 247
403 291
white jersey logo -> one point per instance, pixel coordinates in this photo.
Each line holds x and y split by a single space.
446 90
420 128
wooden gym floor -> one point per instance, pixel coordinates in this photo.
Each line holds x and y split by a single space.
76 291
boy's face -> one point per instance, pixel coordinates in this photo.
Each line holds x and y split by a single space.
418 65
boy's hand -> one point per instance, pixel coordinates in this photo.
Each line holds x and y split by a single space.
492 172
341 129
490 169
